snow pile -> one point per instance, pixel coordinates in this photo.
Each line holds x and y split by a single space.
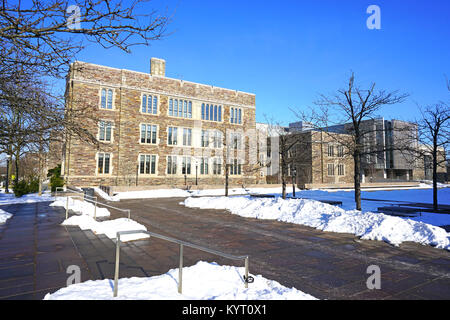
109 228
4 216
80 206
203 281
322 216
10 198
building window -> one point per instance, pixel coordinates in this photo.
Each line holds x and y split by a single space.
106 99
340 151
211 112
236 115
105 131
330 150
205 139
236 141
147 164
235 167
148 133
172 136
204 166
171 165
187 137
217 166
217 139
103 165
180 108
149 104
186 165
330 168
341 170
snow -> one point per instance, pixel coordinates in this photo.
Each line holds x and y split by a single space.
10 198
80 206
4 216
202 281
325 217
109 227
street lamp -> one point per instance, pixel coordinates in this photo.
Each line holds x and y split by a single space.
294 174
8 157
196 170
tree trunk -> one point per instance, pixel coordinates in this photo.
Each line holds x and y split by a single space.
435 197
226 179
357 179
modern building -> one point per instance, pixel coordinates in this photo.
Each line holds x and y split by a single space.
156 130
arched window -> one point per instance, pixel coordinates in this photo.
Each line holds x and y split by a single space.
220 114
215 113
110 99
103 99
144 103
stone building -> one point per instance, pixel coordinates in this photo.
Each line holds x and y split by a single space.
155 130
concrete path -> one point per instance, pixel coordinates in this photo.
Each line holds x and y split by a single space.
35 251
326 265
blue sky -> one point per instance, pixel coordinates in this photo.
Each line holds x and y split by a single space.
287 52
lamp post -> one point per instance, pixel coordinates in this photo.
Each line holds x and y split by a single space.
8 157
294 174
196 174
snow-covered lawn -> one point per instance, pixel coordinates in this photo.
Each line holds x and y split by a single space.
10 198
203 281
4 216
322 216
109 227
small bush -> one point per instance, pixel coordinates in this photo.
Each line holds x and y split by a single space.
20 188
55 178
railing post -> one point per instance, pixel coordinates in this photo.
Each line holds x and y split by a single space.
67 207
129 214
116 271
95 210
180 271
246 272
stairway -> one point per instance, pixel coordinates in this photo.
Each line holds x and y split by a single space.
99 253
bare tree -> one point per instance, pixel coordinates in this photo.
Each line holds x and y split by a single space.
45 35
352 106
434 135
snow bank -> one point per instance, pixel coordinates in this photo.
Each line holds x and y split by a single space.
80 206
322 216
10 198
4 216
204 281
109 228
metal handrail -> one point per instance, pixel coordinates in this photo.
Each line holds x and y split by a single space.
180 270
96 203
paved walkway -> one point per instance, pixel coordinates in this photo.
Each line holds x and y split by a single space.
324 264
35 251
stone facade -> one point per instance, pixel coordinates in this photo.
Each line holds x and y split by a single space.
86 84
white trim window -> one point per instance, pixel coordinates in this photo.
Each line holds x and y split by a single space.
103 163
186 165
149 133
187 137
236 141
340 151
172 136
330 169
235 167
180 108
205 138
217 139
211 112
106 98
204 168
149 104
171 164
236 115
147 164
341 169
105 131
217 166
330 150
